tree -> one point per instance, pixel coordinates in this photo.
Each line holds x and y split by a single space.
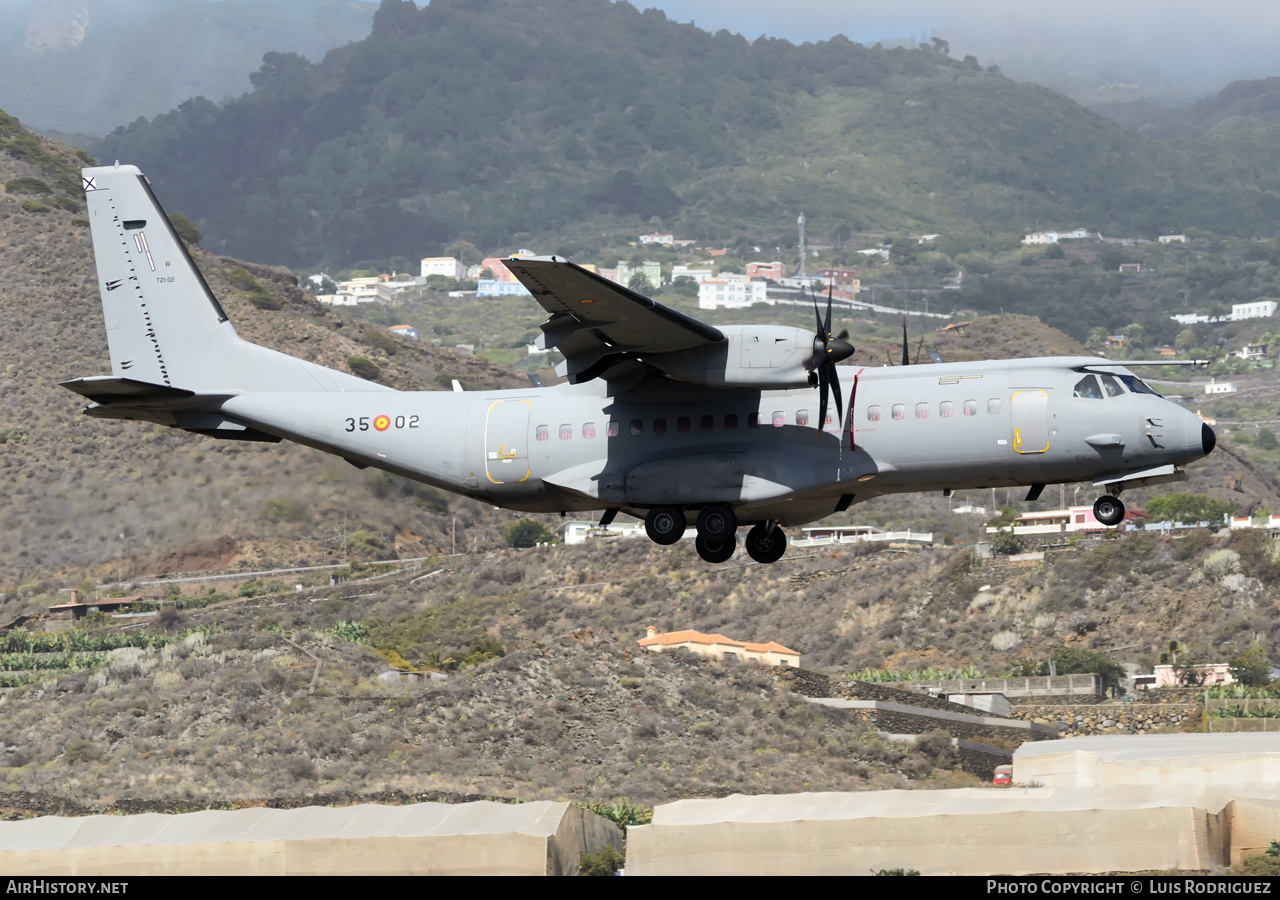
464 252
1251 668
1188 508
1072 661
639 283
1267 439
186 229
527 533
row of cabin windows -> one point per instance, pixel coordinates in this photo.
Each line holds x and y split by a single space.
946 409
683 425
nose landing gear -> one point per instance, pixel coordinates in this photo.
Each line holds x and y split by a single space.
766 543
1108 510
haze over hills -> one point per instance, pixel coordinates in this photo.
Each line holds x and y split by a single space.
447 122
87 66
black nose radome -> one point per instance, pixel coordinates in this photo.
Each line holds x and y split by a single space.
1208 439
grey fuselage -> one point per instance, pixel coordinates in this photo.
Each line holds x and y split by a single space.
582 447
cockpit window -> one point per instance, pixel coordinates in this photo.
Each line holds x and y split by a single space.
1111 386
1087 387
1137 386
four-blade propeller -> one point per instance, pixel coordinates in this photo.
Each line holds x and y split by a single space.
827 351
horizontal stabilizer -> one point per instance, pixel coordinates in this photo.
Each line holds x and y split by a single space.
107 390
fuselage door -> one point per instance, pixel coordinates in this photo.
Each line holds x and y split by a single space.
506 441
1031 421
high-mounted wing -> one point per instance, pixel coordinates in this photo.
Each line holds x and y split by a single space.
598 324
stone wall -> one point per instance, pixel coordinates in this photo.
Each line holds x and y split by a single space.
1112 718
898 722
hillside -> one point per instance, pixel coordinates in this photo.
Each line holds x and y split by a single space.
85 66
592 117
276 697
80 491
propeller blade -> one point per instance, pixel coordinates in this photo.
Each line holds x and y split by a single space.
816 314
826 329
843 335
835 386
823 384
918 346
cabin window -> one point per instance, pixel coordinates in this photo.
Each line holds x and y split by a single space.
944 409
1087 388
659 426
589 430
543 432
922 410
613 429
730 421
1137 386
753 420
566 432
637 426
1110 386
682 425
707 423
993 406
873 413
829 420
971 407
779 418
802 417
898 411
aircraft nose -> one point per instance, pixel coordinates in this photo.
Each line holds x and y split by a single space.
1199 436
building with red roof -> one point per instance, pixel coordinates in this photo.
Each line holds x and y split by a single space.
720 647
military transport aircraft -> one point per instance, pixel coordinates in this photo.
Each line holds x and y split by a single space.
663 417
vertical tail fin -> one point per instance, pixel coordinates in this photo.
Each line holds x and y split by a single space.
165 328
164 325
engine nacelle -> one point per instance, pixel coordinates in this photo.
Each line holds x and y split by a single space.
764 357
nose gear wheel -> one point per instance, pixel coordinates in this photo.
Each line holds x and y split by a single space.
766 545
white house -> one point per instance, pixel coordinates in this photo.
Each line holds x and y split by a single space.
1214 387
442 265
667 239
1259 309
732 294
699 275
493 288
1172 238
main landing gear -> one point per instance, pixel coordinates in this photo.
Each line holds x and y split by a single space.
717 539
1108 510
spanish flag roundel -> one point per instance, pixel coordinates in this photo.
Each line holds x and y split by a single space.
382 423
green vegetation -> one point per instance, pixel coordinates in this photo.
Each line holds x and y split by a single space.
254 292
639 117
528 533
186 229
361 366
27 185
929 674
1189 508
607 862
1266 864
1251 668
622 813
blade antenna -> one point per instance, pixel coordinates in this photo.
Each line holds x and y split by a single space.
906 360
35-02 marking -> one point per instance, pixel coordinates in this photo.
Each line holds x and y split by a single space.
381 423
